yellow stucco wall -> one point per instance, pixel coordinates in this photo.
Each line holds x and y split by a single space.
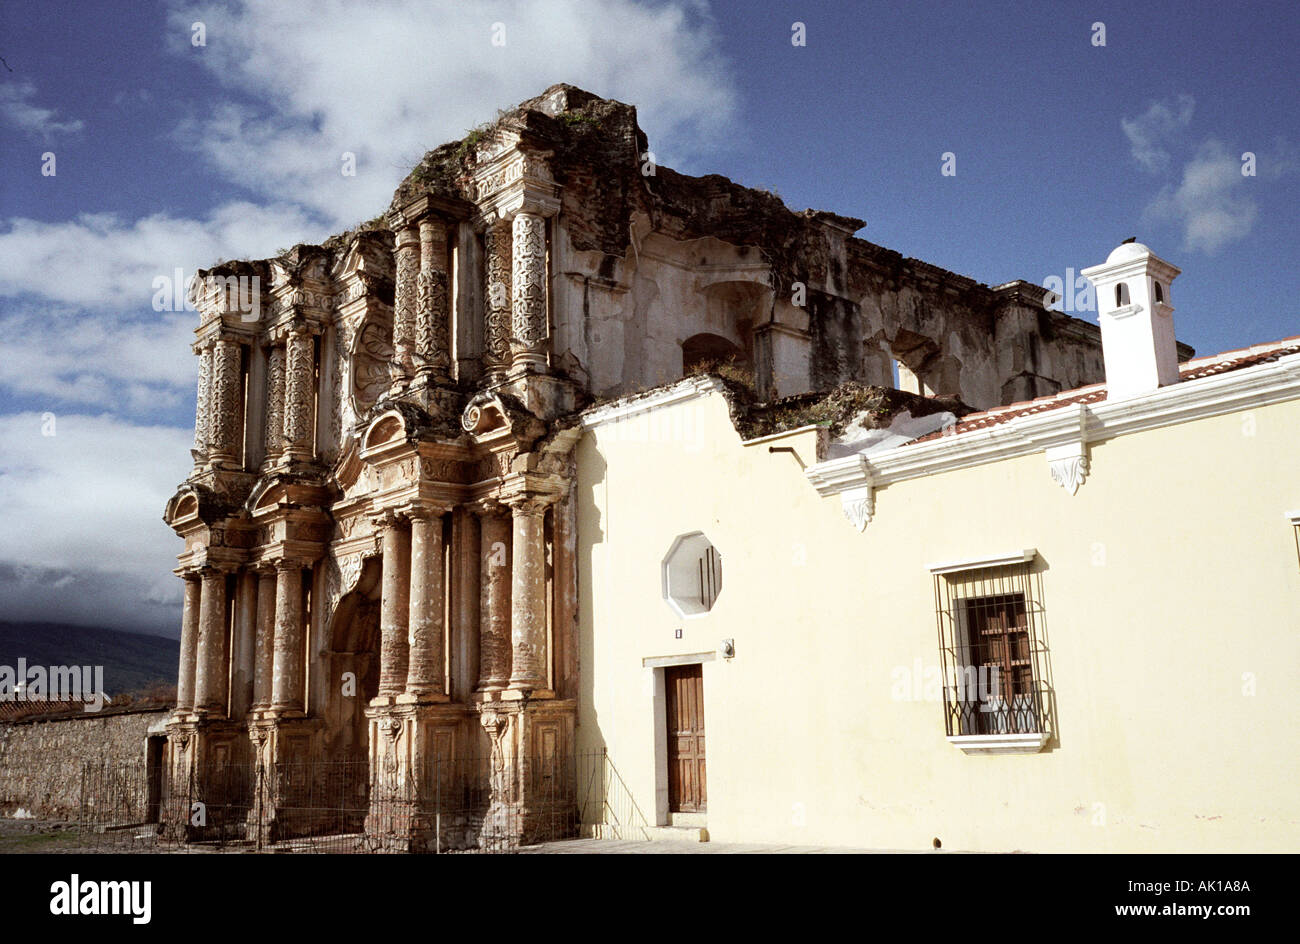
1168 577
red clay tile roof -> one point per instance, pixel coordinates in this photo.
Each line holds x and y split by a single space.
1194 369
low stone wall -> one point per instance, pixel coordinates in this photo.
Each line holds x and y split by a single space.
41 759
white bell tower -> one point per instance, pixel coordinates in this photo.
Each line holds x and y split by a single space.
1137 323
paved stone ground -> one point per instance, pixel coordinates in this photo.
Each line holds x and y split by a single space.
46 837
682 847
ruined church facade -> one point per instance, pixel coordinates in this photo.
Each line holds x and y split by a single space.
381 557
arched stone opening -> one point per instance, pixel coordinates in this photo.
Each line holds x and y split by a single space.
702 352
352 677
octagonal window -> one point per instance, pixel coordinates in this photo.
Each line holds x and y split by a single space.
692 575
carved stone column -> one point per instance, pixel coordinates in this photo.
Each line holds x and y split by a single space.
288 657
529 319
274 402
226 404
494 602
201 407
299 398
498 243
425 675
210 659
432 348
394 606
264 648
189 643
405 292
528 669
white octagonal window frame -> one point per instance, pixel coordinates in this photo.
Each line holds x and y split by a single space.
692 575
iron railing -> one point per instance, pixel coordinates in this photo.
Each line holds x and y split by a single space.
474 804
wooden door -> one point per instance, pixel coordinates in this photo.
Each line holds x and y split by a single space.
686 783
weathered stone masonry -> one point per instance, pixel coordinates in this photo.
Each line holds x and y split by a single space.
378 526
42 760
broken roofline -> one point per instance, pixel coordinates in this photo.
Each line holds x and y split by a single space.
1070 425
664 188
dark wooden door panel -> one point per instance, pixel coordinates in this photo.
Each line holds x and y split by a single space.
686 783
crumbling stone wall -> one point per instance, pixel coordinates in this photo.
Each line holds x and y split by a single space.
640 247
41 761
644 259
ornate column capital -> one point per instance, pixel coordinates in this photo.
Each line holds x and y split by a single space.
530 503
211 569
387 518
407 237
423 510
488 508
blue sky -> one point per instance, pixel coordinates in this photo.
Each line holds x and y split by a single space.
174 155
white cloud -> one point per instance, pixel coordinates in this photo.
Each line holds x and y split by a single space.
83 537
87 503
1151 133
79 324
16 109
71 356
101 260
1211 203
409 75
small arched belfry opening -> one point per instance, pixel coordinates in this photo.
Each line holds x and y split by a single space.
702 352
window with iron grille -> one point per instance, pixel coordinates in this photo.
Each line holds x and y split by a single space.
992 659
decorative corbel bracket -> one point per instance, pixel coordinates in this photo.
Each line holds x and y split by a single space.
859 505
850 478
1065 443
1068 465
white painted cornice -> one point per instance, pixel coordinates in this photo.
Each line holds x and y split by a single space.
628 407
1064 432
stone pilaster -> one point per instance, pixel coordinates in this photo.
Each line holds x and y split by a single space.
528 315
494 602
299 399
425 675
226 401
529 659
405 299
201 407
432 347
242 645
275 376
210 659
498 242
465 573
288 659
189 643
264 648
394 606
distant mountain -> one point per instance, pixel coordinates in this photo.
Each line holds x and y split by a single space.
132 662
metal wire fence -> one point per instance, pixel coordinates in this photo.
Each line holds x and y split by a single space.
453 805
